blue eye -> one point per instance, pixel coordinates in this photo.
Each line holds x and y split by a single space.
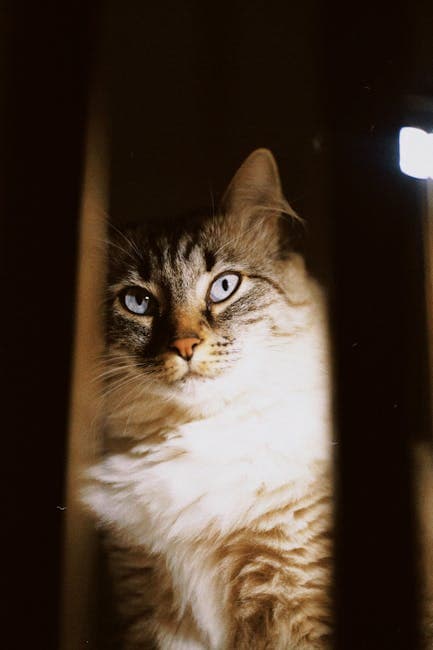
137 300
224 286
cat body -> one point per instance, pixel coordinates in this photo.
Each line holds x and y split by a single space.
215 486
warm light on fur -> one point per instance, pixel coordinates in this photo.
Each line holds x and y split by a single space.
215 488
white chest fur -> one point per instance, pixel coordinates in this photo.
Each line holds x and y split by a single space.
207 472
219 471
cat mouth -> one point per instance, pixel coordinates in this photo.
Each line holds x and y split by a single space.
192 375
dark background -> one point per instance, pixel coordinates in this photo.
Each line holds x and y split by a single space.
192 89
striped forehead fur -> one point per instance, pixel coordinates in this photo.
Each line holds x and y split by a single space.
226 238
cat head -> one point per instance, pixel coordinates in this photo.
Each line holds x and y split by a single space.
196 309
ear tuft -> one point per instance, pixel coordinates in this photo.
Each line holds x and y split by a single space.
255 192
257 182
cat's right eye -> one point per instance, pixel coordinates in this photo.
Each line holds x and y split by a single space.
137 301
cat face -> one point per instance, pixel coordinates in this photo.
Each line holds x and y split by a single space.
190 306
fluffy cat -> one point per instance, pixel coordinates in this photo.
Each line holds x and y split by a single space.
215 486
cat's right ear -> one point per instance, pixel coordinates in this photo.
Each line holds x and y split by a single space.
256 187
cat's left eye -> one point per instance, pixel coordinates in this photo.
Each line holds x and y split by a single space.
224 286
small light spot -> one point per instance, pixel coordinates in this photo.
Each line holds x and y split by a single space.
317 143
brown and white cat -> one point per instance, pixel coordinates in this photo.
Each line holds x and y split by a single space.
215 487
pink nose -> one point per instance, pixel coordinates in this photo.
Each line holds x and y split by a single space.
185 347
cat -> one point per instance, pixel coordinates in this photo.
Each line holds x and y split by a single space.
215 488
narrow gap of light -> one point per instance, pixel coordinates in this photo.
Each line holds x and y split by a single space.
416 152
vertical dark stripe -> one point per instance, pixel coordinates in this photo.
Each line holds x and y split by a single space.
376 337
49 59
210 260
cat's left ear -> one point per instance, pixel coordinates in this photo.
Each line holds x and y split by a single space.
256 188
